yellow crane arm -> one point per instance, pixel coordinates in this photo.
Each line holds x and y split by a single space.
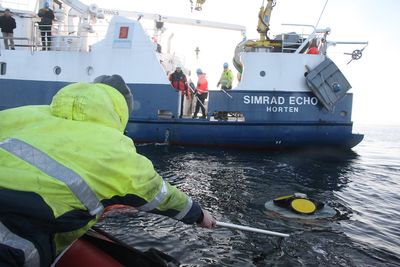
264 16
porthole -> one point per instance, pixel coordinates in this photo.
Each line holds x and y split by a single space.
3 68
343 113
89 70
57 70
262 73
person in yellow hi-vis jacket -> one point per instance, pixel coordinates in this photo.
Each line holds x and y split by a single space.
226 78
62 164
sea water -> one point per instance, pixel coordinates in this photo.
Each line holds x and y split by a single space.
363 186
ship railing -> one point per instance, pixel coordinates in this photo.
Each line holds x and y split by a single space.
54 42
18 41
63 37
79 38
294 42
60 40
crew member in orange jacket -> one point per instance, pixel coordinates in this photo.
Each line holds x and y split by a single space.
313 50
201 93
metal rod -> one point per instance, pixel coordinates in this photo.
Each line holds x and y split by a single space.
250 229
226 93
194 94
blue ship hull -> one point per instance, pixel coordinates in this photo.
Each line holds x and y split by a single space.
259 136
271 120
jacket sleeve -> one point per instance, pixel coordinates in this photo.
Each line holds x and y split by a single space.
144 189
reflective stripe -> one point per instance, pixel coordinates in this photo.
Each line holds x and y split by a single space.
10 239
156 200
183 213
56 170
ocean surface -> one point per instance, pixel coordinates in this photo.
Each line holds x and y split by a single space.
362 186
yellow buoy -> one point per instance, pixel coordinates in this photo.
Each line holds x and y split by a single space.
304 206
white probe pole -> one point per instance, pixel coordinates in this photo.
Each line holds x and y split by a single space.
251 229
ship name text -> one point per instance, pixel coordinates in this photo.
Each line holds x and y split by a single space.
111 12
280 103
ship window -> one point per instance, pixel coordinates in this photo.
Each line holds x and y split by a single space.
262 73
123 32
3 68
57 70
343 113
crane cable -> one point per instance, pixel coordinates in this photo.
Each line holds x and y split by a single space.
322 12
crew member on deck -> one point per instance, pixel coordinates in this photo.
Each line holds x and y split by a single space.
226 78
63 163
313 49
7 25
47 17
179 82
201 94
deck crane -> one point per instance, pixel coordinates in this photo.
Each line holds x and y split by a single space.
264 16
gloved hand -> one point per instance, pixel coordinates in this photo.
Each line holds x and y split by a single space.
208 220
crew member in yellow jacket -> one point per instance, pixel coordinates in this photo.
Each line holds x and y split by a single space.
226 78
62 164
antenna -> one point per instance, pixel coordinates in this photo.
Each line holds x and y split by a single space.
316 25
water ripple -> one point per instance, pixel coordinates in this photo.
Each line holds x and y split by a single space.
362 186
